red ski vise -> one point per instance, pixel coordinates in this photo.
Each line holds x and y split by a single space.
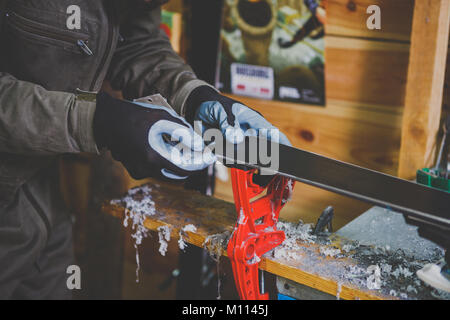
256 231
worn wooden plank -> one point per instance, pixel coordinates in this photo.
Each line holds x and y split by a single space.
425 85
176 208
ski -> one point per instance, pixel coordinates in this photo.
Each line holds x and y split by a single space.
420 203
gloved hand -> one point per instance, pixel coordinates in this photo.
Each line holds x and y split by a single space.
233 118
150 140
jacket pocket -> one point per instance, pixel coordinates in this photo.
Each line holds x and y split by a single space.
76 42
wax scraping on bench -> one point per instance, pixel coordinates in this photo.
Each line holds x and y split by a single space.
139 205
164 238
191 228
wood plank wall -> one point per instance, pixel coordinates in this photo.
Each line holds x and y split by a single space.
366 73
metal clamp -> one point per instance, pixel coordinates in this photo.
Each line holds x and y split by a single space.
256 231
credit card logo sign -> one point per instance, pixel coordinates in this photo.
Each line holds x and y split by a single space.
252 81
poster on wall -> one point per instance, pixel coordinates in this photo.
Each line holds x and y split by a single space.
273 49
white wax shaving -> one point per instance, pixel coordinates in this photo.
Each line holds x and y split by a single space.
339 290
402 272
374 280
290 186
347 248
274 218
241 219
139 205
294 233
385 267
329 252
164 238
188 228
411 288
255 259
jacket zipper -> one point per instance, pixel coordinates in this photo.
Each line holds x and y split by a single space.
38 208
85 47
32 27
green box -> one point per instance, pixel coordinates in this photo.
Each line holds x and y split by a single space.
428 178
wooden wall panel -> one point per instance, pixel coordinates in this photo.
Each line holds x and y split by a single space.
348 18
366 72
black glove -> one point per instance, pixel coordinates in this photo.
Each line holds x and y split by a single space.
150 141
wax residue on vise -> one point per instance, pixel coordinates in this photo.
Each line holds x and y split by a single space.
188 228
139 206
290 188
255 259
241 219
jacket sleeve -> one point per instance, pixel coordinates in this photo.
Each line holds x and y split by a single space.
34 121
144 63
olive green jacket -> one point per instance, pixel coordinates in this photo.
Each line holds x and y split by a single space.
45 67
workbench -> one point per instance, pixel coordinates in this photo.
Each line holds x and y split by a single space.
332 264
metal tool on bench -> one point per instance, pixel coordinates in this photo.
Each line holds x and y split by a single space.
424 206
324 221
